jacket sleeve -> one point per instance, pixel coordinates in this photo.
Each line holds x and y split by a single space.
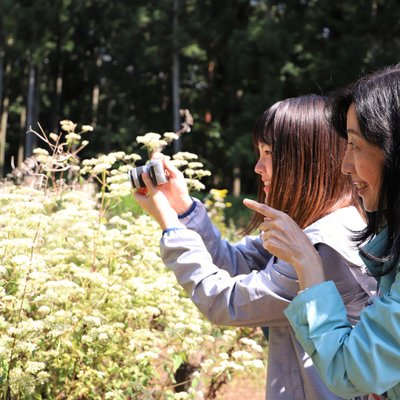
351 361
235 258
257 298
241 300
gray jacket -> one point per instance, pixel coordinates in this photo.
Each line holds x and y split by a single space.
242 285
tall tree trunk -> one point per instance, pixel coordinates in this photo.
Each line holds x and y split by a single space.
3 123
1 75
58 85
30 111
58 81
21 142
96 92
4 105
107 141
3 134
237 183
176 76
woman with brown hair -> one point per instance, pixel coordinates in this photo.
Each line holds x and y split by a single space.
244 285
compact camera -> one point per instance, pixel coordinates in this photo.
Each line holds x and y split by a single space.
154 168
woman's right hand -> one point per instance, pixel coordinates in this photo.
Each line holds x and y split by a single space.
283 238
175 189
156 204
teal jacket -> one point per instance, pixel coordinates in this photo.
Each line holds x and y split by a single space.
357 360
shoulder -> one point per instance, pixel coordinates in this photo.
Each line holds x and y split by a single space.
334 263
336 230
342 220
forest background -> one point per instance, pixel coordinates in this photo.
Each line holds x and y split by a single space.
127 67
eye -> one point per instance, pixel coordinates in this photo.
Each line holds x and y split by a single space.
352 145
264 150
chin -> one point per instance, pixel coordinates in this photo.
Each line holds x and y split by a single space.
370 207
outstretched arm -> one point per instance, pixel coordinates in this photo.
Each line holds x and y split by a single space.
168 201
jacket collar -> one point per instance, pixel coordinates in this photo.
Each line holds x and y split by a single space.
376 247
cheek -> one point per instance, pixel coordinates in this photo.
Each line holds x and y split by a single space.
372 173
269 167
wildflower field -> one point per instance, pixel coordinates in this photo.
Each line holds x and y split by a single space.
87 308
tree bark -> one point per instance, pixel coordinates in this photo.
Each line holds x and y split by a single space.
96 92
3 134
30 111
177 145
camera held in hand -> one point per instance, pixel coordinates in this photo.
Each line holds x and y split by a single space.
154 168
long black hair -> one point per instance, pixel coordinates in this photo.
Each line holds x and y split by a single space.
376 97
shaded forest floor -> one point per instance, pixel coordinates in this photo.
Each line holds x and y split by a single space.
244 388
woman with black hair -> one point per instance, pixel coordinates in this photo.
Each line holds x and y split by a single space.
242 284
365 358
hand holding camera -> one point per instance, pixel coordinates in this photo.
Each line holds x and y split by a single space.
168 181
154 168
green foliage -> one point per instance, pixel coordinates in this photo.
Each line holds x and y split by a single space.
88 310
110 63
237 214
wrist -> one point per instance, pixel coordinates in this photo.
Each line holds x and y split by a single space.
310 271
169 223
187 208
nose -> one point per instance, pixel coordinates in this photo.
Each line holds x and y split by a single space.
258 168
347 163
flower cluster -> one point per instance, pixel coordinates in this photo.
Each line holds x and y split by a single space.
87 308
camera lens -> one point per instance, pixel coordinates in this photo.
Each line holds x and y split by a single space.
135 175
156 173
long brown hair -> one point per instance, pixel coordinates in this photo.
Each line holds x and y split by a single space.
307 182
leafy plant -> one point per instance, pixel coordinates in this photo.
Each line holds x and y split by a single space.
87 308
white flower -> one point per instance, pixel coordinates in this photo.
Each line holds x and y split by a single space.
72 136
256 364
195 184
184 155
134 157
150 136
170 136
118 155
54 137
147 354
99 168
44 310
195 165
33 367
103 336
67 125
87 128
91 320
39 151
207 363
242 355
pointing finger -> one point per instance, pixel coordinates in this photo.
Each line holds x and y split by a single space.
263 209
